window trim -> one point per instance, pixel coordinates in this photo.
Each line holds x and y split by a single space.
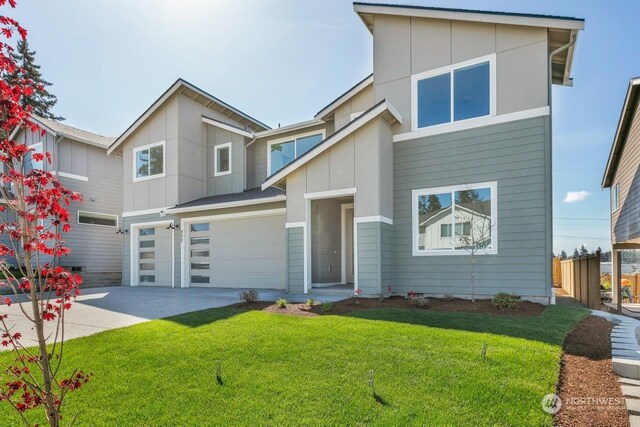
615 190
493 185
415 78
295 145
97 213
136 150
217 148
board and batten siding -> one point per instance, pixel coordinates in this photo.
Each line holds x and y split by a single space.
625 222
295 259
517 156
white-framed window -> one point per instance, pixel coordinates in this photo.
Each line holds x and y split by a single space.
29 162
222 159
149 161
100 219
615 197
455 220
462 91
281 152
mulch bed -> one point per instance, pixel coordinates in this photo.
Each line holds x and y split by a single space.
586 372
525 308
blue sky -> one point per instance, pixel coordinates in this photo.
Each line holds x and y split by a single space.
281 61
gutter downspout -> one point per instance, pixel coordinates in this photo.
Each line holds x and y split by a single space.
245 159
572 42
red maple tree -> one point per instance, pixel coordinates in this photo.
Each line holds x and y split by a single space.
37 205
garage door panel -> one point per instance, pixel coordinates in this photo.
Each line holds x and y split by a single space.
247 252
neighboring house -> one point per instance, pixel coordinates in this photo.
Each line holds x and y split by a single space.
458 102
80 161
622 177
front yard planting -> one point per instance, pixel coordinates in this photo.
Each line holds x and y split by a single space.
232 366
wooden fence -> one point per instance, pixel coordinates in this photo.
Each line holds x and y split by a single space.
581 279
557 273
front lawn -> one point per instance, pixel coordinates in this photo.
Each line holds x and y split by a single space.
286 370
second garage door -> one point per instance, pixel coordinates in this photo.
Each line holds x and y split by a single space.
242 253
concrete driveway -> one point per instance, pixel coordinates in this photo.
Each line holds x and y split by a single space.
101 309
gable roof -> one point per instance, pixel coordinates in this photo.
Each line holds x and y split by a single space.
183 86
624 123
563 30
382 107
59 129
355 89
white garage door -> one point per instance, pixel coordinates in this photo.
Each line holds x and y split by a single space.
154 256
242 253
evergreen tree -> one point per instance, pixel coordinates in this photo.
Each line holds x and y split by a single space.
431 204
576 254
563 255
41 102
583 250
467 196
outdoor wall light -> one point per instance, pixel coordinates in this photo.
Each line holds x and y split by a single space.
122 232
173 226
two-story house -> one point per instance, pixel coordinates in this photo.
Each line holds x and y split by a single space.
622 177
80 162
445 147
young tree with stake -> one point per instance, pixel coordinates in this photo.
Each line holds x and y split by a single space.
37 205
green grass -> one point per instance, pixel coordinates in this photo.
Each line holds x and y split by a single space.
284 370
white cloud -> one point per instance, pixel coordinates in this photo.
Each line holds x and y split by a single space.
576 196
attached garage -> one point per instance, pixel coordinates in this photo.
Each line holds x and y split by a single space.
227 252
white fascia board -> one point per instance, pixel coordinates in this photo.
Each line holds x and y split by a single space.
289 128
345 97
144 212
226 205
491 18
226 127
333 139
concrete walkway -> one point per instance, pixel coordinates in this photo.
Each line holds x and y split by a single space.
625 358
101 309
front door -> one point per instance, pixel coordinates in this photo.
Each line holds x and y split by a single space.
348 226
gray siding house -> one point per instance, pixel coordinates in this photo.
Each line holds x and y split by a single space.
444 150
622 177
80 162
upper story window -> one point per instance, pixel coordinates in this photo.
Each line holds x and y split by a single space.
455 220
148 161
94 218
454 93
281 152
615 197
222 159
29 162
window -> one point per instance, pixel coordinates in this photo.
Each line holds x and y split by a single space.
283 151
202 226
196 253
455 220
454 93
199 279
222 159
148 161
147 243
92 218
615 198
29 162
147 255
199 240
147 279
147 231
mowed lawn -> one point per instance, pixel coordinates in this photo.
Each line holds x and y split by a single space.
285 370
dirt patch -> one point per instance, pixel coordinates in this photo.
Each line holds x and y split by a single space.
525 308
588 387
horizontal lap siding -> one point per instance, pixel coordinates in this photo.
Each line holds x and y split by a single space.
625 222
386 257
513 154
295 259
369 265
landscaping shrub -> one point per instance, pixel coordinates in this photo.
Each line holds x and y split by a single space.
326 306
310 302
281 303
249 296
506 301
420 302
